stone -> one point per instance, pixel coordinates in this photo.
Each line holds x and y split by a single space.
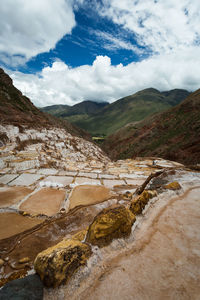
1 262
57 264
138 204
28 288
111 223
127 195
24 260
173 186
80 235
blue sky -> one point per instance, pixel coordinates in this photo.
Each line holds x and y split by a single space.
92 36
67 51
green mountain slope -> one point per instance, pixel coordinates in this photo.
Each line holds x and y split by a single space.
104 118
83 108
55 110
174 134
130 109
76 113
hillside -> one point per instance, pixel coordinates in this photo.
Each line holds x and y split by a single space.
55 109
110 118
76 113
174 134
18 110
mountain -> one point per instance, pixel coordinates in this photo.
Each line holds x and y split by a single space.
18 110
84 107
173 134
109 118
55 109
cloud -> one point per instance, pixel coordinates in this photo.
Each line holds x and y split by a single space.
159 25
168 30
112 43
28 28
104 82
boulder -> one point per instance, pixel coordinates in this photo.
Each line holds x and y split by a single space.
111 223
24 260
80 235
57 264
138 204
1 262
28 288
173 186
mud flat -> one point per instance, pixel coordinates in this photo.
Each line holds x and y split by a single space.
12 195
88 194
46 201
19 224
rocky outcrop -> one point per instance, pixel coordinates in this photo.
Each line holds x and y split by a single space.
138 204
111 223
29 288
173 186
56 264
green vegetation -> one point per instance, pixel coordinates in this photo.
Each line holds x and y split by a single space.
103 119
173 134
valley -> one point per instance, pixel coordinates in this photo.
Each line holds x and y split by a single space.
81 222
101 119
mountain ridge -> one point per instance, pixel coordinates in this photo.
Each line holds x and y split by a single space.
17 109
173 134
134 107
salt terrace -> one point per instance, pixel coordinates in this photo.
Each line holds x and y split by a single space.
43 192
52 185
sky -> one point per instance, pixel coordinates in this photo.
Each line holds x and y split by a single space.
68 51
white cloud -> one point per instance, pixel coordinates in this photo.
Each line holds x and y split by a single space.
28 28
104 82
170 29
111 42
159 25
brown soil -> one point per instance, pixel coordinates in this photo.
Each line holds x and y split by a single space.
19 224
12 195
46 201
88 194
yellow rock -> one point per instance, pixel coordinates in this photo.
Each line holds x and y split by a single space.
138 204
113 222
1 262
24 260
173 186
57 264
127 195
79 236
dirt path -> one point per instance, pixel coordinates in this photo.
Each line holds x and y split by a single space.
164 262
